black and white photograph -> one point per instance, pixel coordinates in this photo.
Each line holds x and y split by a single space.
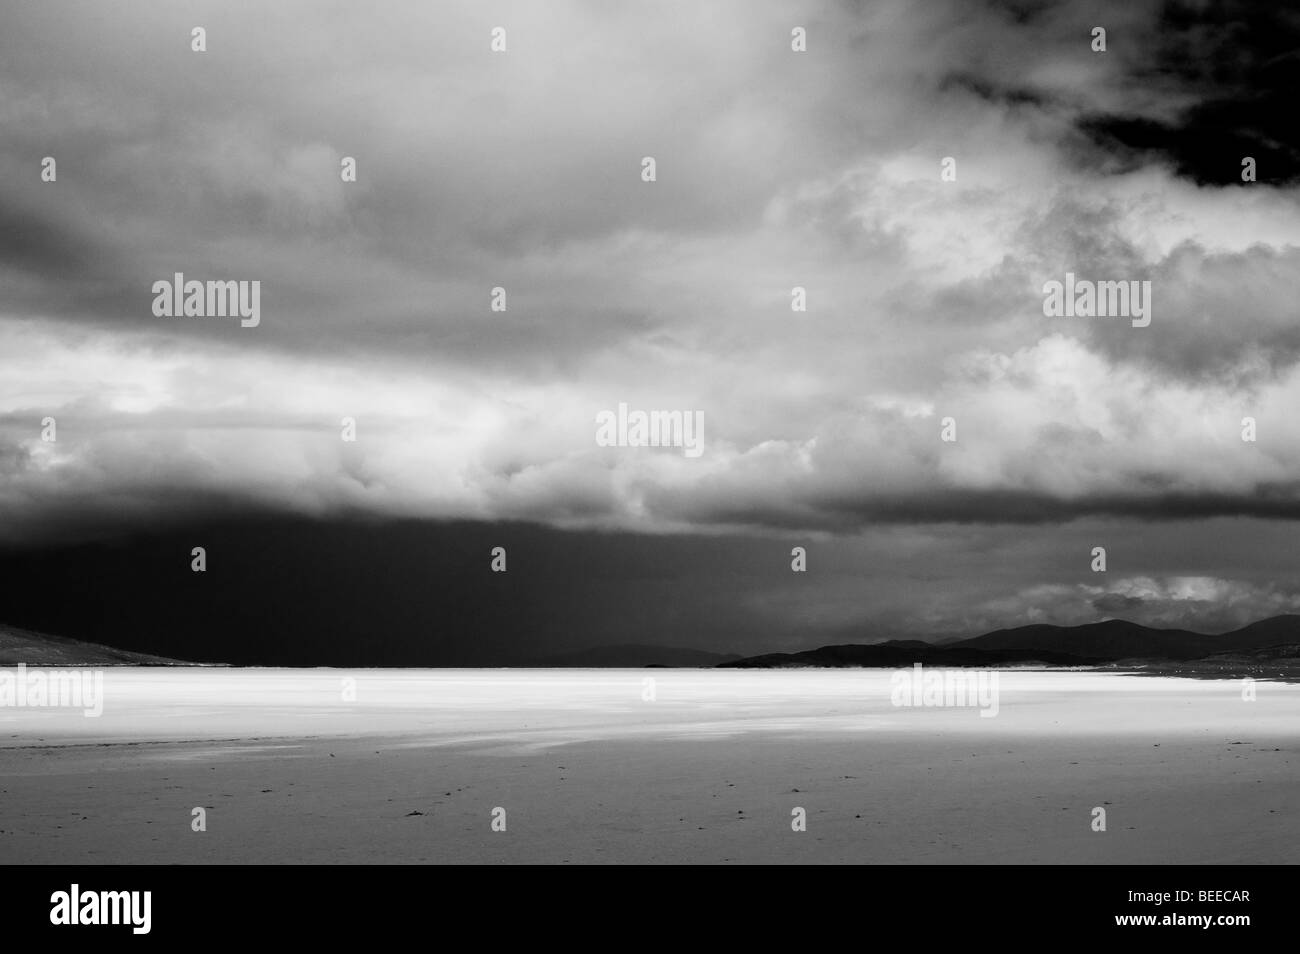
564 432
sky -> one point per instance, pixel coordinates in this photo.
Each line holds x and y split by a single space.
774 168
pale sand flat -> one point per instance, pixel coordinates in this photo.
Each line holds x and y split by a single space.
589 771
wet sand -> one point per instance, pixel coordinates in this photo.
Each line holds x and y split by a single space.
590 770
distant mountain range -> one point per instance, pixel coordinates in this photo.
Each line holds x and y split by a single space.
1093 644
41 649
1090 644
1120 639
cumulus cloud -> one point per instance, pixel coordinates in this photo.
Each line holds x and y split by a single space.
1197 603
1048 433
776 170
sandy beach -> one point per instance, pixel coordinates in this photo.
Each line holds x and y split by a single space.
599 766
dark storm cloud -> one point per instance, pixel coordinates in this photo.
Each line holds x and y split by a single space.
349 592
1192 86
31 242
1161 502
1236 65
284 591
818 169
